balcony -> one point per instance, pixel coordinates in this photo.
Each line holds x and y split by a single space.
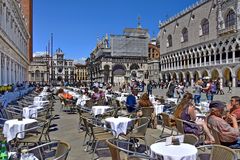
228 30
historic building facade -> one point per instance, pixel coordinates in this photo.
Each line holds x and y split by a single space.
14 38
38 70
80 72
202 40
153 61
120 59
61 69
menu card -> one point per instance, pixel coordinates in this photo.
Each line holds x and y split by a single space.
169 140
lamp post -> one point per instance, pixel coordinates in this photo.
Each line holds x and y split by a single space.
91 69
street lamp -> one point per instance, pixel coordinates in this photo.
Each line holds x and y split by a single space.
91 69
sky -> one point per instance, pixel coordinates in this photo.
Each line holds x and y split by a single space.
77 24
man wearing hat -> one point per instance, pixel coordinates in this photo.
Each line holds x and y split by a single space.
228 135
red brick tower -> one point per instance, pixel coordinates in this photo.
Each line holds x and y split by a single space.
28 11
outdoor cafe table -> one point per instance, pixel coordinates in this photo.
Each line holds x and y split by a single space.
175 100
173 152
31 111
158 108
96 110
13 126
119 124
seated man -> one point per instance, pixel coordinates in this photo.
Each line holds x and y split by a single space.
234 107
131 102
228 135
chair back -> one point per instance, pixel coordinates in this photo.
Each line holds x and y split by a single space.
115 152
215 135
142 125
191 139
89 103
147 111
179 125
166 119
222 152
62 151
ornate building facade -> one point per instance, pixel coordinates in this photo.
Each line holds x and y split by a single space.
38 70
14 38
203 40
80 72
121 60
153 61
61 69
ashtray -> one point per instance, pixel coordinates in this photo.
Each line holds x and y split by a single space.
175 141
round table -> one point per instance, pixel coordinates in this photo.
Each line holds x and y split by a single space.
173 152
119 124
158 108
13 126
96 110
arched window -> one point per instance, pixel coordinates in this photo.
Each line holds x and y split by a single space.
169 41
205 27
230 19
184 35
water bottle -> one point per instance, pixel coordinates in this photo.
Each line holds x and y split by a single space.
4 152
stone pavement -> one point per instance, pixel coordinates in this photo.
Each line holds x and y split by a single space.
68 127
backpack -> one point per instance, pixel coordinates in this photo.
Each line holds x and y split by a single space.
213 89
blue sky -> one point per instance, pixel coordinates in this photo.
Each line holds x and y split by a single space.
76 24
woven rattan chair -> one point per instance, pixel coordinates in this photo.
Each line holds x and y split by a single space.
216 152
117 149
167 123
139 130
59 148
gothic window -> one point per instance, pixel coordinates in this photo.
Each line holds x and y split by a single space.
184 35
169 41
230 19
205 27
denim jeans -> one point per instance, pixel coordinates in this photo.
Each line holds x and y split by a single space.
197 99
209 97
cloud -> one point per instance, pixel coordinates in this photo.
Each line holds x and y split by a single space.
81 60
39 53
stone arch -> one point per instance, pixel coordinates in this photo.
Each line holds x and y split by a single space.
106 72
134 66
215 74
227 75
37 74
238 76
196 75
205 73
188 76
174 75
181 77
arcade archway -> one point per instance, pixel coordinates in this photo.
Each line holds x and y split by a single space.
196 76
227 74
214 74
238 77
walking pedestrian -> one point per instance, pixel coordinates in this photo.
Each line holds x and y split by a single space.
229 87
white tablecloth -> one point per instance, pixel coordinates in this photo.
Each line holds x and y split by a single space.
119 124
13 126
40 103
96 110
31 111
158 108
168 100
173 152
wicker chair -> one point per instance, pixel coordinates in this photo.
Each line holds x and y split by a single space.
188 138
139 131
167 123
59 148
116 148
216 152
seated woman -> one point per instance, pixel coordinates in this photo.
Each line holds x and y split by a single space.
186 111
131 102
228 135
144 101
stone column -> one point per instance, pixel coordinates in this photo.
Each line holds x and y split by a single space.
188 61
234 81
196 57
221 57
233 55
200 59
10 71
209 59
215 57
5 70
192 81
227 57
184 61
205 58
